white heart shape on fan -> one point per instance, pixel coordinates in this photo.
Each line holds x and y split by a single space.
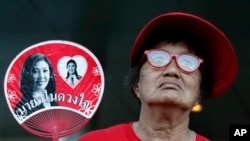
81 68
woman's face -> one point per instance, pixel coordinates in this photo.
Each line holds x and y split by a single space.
40 74
169 85
71 68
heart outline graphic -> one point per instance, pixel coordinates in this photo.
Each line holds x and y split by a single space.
81 68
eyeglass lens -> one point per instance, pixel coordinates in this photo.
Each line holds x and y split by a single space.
160 58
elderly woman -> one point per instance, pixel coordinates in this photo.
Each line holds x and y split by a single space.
177 60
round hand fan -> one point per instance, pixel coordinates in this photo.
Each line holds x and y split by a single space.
53 88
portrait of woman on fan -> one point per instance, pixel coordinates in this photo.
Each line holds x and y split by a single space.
37 85
72 75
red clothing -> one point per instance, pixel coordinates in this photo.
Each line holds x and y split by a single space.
120 132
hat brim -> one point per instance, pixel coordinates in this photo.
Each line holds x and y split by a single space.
222 59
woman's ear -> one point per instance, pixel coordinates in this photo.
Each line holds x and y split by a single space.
199 99
136 90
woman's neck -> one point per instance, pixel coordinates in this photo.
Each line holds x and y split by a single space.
43 96
38 92
161 124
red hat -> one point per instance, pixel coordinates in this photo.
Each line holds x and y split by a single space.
221 57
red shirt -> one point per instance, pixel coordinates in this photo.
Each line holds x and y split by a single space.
120 132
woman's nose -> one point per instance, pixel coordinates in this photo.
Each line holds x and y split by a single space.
41 74
172 69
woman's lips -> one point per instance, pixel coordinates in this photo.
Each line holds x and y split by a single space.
169 85
40 83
